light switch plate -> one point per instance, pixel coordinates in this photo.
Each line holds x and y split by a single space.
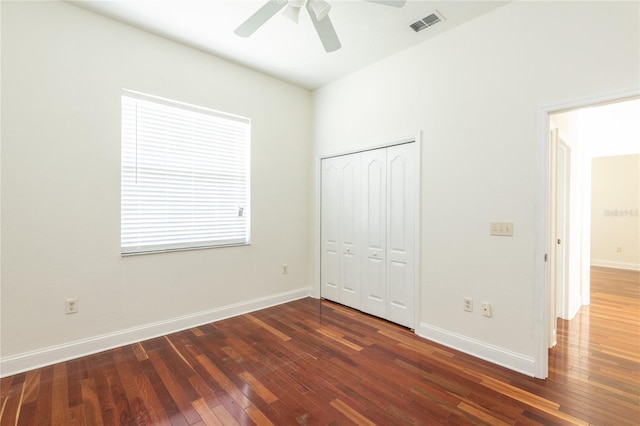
501 229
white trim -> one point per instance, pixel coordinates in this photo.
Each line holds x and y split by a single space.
413 137
183 105
616 265
59 353
417 229
540 304
317 228
541 288
494 354
585 233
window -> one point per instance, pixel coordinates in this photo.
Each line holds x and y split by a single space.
184 176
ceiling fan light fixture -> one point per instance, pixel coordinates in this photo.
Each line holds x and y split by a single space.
320 8
292 13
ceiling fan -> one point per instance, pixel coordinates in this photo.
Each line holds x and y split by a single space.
318 12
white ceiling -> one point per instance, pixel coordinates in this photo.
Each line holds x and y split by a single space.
368 32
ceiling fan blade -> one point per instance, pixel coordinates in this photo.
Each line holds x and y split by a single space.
325 31
261 16
394 3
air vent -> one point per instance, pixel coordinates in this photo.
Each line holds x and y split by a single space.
426 22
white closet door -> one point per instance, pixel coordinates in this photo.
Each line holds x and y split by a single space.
374 225
350 230
400 234
330 230
367 231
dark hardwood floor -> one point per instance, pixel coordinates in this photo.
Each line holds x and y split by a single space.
315 362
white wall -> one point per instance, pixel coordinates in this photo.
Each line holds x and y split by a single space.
63 69
578 210
615 212
475 93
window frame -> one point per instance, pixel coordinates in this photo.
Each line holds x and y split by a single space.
240 163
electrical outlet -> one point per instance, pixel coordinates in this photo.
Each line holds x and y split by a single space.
71 306
618 249
468 304
486 309
285 269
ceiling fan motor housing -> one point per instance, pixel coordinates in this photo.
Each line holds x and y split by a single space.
318 12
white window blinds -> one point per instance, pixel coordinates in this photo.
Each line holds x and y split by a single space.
184 176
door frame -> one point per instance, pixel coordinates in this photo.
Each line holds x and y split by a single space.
415 137
542 287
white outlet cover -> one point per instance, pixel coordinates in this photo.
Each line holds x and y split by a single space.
486 309
71 306
468 304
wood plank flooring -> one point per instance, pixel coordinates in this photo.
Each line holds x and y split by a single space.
314 362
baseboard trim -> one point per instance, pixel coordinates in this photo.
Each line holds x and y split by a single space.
616 265
494 354
52 355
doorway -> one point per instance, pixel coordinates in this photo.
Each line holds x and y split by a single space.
577 134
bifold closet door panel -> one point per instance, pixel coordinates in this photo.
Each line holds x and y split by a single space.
340 221
330 229
374 230
401 234
350 206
